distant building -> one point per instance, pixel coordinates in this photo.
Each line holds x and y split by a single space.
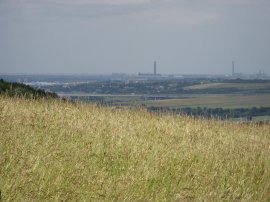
154 74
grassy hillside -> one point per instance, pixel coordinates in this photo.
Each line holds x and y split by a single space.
52 150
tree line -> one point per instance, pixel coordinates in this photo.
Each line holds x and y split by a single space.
220 113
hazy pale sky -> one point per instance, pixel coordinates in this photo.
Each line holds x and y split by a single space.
126 36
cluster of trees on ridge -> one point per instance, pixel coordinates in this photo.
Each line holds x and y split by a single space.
22 90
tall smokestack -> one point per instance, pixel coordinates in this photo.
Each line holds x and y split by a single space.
155 67
233 68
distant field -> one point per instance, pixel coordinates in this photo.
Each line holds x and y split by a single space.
186 100
215 101
241 86
226 95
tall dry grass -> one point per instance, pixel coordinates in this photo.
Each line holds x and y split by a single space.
59 151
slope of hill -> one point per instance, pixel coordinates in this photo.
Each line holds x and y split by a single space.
19 89
57 151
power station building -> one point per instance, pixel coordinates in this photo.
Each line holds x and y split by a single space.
154 74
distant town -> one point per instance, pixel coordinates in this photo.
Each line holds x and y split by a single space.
41 80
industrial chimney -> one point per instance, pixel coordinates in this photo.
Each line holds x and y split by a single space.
155 67
233 68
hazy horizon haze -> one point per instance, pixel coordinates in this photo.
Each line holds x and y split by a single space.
127 36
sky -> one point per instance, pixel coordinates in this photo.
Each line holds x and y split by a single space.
127 36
